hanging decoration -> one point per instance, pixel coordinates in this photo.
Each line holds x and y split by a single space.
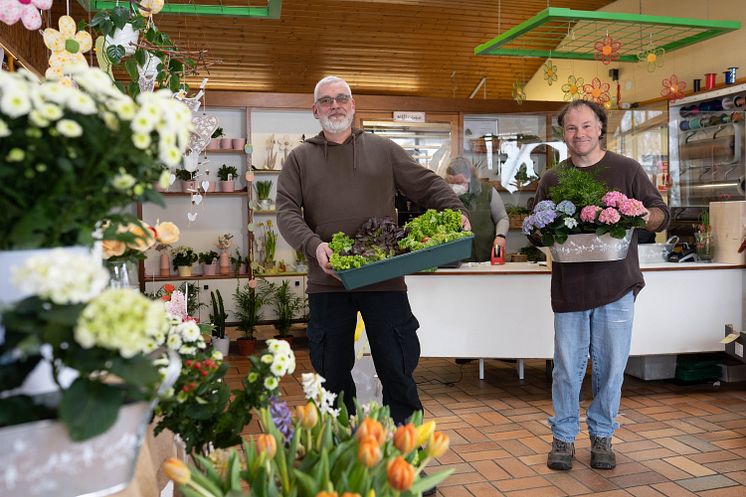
149 8
653 57
25 10
673 89
573 89
519 92
550 72
67 47
598 91
607 50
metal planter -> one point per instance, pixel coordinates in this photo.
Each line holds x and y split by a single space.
589 247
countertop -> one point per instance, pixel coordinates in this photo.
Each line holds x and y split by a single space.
540 268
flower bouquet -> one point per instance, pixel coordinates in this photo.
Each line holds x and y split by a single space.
321 451
582 222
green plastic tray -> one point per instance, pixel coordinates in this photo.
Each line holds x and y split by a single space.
406 263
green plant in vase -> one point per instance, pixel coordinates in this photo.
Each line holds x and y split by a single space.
263 189
287 305
227 175
267 244
182 259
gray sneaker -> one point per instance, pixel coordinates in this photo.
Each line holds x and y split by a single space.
602 455
560 457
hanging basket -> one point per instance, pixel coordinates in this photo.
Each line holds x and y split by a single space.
591 248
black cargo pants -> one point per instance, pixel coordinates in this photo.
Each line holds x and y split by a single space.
392 333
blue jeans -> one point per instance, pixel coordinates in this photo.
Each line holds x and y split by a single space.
606 331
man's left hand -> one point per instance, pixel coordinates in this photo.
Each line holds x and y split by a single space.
465 224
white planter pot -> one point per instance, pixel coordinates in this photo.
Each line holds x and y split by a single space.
591 248
127 37
38 459
221 345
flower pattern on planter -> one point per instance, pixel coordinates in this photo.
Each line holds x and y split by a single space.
550 72
653 57
519 92
607 50
598 91
673 89
67 47
573 89
25 10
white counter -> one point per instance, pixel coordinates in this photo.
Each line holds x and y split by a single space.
484 311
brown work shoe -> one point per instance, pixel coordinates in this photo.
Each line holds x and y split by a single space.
560 457
602 455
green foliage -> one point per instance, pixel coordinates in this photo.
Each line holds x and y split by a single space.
263 189
218 315
226 170
433 228
184 175
249 302
516 210
579 187
218 133
183 256
286 304
207 257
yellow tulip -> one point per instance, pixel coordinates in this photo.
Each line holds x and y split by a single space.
176 470
400 474
369 452
308 415
266 444
424 432
405 438
438 444
371 428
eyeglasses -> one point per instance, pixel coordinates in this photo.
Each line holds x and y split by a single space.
342 98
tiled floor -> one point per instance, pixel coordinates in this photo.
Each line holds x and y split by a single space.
674 440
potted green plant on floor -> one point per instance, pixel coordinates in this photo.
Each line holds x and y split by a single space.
263 189
227 175
249 301
182 258
217 318
287 305
209 261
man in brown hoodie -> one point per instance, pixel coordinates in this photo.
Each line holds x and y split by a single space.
336 181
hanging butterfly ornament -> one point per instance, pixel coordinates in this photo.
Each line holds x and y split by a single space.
573 89
519 92
550 71
25 10
652 56
607 50
673 89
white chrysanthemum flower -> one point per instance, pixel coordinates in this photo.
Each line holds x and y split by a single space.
15 103
142 123
141 140
123 180
267 358
51 112
187 350
278 369
217 355
96 81
37 119
270 383
62 277
4 129
111 120
165 179
54 92
170 156
125 108
189 331
81 103
291 366
167 140
69 128
152 110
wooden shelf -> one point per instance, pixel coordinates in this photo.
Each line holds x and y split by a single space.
242 191
226 151
267 213
197 277
278 275
266 171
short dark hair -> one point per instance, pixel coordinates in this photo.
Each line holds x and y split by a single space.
596 108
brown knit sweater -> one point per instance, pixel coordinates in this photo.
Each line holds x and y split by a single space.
325 187
584 286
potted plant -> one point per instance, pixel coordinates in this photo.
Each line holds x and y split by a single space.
516 215
209 261
263 189
300 262
238 262
218 316
224 260
227 175
188 183
266 244
249 301
182 259
286 305
214 143
121 27
703 236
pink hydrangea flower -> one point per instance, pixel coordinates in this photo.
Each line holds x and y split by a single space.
632 207
613 199
26 10
588 213
609 216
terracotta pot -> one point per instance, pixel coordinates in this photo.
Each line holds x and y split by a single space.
165 264
213 144
228 186
188 186
224 263
209 269
246 346
238 143
226 143
185 271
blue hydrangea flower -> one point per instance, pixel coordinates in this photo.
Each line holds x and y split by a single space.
566 207
544 217
544 205
528 225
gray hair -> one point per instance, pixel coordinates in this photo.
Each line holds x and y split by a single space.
328 80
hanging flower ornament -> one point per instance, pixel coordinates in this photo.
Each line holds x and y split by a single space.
607 50
519 91
67 47
149 8
673 89
550 72
573 89
25 10
653 57
597 91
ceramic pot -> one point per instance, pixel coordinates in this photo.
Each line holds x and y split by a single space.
209 269
126 37
246 346
165 264
238 143
213 144
228 186
185 271
222 345
265 204
188 186
589 247
226 143
224 263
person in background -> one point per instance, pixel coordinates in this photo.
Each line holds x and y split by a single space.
489 220
335 181
593 302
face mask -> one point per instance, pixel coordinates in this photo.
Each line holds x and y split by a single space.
459 189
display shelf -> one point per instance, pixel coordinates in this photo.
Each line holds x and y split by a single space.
279 275
266 171
226 151
242 191
176 277
267 213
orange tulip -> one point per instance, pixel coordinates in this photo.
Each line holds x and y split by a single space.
400 474
308 415
350 494
371 428
266 444
176 470
438 444
324 493
369 452
405 438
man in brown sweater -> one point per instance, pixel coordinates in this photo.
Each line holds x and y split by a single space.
336 181
593 302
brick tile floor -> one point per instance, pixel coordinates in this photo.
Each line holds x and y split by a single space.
675 440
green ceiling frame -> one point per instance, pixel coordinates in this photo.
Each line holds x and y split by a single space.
571 34
271 11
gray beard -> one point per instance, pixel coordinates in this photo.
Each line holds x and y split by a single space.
335 126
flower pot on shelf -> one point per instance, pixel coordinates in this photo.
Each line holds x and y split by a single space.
238 143
589 247
246 346
208 186
213 144
188 186
224 263
264 204
226 143
221 345
228 186
165 264
185 271
209 269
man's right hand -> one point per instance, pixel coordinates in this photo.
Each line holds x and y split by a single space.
323 252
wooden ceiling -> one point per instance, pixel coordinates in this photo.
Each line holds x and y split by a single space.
384 47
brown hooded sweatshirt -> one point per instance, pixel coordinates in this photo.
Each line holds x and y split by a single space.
326 187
